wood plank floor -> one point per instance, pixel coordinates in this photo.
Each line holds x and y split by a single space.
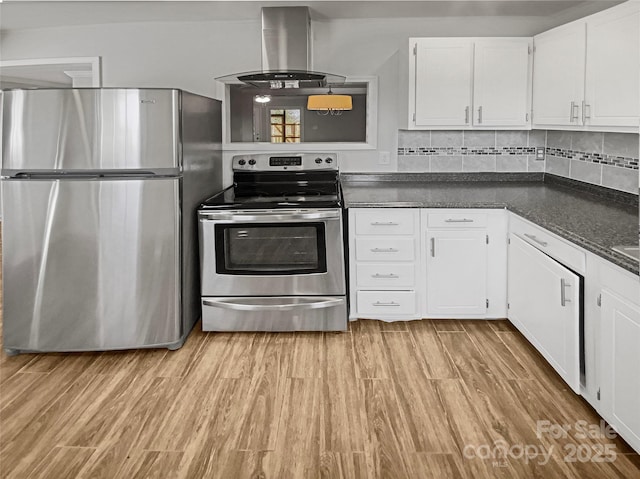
423 399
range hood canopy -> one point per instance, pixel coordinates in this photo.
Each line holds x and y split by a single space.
286 53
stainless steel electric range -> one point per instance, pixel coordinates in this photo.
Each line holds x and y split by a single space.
271 247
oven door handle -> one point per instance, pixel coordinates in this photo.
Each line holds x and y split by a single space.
269 216
237 306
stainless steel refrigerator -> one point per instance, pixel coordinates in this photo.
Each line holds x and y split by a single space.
99 194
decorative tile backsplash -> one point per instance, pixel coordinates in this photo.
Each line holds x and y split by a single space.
463 150
458 151
621 161
607 159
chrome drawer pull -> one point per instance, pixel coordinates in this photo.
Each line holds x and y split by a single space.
462 220
384 223
390 275
384 250
391 303
533 238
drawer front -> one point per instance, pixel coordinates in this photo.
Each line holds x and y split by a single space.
457 220
385 275
386 303
388 221
547 243
385 249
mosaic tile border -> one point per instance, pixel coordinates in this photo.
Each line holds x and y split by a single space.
601 158
466 150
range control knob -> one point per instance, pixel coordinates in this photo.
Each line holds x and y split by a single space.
252 161
329 160
318 160
241 162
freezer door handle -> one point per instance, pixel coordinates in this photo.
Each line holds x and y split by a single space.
236 304
77 175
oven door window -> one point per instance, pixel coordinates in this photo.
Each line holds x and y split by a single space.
271 248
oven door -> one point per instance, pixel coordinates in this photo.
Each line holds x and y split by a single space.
272 252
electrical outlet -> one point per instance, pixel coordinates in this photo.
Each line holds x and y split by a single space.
540 153
384 158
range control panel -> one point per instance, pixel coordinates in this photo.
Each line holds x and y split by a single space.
285 162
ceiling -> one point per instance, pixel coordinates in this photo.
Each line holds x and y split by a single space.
20 14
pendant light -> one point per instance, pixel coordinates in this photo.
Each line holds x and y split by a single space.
329 103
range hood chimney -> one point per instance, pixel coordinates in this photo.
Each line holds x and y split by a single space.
286 53
286 38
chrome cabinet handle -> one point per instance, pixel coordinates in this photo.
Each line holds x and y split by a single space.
433 247
585 116
461 220
533 238
563 294
391 303
384 223
384 250
573 115
479 114
381 276
466 115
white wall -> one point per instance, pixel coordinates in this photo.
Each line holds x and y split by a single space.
189 55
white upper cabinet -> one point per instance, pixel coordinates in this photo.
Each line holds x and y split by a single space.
612 94
467 83
558 75
443 76
501 82
586 73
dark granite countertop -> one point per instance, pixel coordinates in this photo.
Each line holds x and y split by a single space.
594 218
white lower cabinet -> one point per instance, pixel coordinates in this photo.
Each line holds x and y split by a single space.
464 262
544 305
384 250
619 355
385 275
411 263
387 303
456 266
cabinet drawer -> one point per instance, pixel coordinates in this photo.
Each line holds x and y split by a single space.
385 249
549 244
457 220
385 303
391 221
385 275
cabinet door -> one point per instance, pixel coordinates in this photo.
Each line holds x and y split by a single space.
501 82
456 272
558 75
620 383
443 82
612 96
543 301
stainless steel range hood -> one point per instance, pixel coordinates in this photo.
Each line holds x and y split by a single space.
286 53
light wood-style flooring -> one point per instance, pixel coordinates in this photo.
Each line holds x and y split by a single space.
385 400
